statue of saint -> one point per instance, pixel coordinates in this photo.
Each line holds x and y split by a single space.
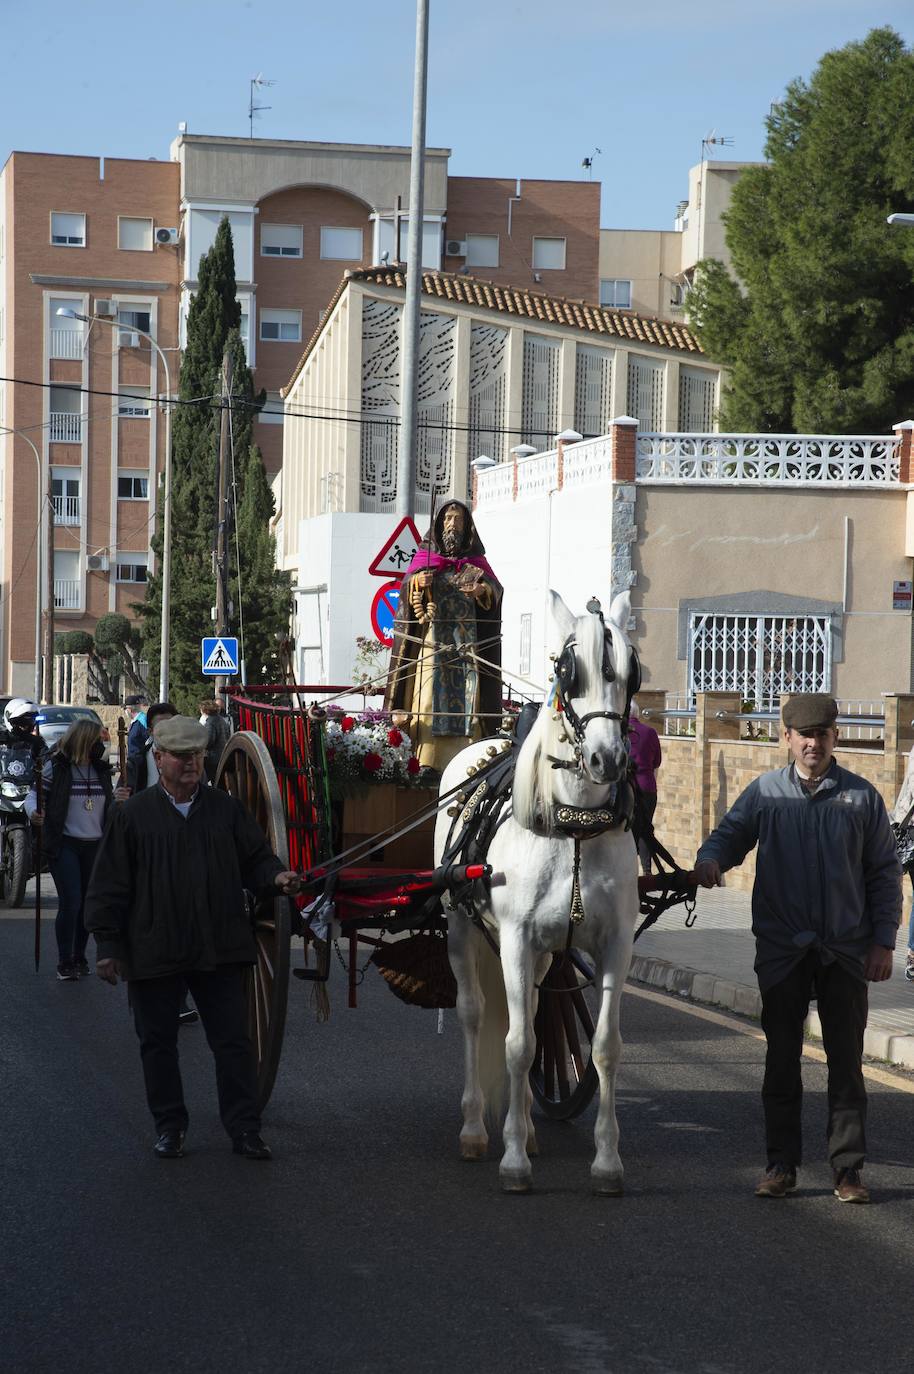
444 684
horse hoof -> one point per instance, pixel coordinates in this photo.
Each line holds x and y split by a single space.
474 1149
606 1185
514 1182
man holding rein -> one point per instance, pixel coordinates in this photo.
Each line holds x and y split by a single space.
166 904
825 911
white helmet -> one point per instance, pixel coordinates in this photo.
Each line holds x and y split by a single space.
17 707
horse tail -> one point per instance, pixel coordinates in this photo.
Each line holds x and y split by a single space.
492 1034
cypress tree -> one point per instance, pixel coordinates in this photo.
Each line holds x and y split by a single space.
212 326
819 333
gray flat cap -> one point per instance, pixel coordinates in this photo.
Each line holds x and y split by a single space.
180 735
810 711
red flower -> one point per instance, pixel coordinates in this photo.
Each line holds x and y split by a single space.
372 762
413 765
394 737
347 724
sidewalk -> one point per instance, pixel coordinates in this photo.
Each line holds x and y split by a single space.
712 963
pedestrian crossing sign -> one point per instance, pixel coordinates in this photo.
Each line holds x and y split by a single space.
219 656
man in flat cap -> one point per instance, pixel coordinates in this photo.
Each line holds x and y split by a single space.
825 911
166 904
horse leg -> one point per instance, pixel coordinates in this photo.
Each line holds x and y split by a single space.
515 1171
540 969
463 952
606 1171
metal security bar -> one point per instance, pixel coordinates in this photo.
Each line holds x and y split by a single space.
759 656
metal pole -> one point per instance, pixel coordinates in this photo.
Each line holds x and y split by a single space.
406 452
165 629
221 550
39 538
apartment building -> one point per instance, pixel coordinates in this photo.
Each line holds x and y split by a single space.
79 233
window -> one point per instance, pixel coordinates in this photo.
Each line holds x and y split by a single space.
616 292
678 292
482 250
65 484
68 231
342 244
65 336
759 656
244 325
65 415
549 255
133 317
67 587
132 486
133 402
272 413
134 234
280 240
280 326
132 567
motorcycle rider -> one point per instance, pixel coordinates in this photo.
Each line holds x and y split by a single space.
19 719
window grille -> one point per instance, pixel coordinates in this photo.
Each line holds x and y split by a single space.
488 387
759 656
540 391
696 401
645 392
592 391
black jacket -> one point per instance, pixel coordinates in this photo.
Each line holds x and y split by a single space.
57 799
167 893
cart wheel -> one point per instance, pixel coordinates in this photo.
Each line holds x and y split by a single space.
246 772
563 1077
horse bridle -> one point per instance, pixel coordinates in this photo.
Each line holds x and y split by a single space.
566 681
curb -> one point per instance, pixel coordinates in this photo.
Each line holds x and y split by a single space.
746 1000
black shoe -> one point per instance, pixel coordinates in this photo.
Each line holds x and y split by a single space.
252 1146
82 967
170 1145
187 1016
66 972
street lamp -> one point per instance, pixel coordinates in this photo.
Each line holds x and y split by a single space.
902 221
18 433
166 522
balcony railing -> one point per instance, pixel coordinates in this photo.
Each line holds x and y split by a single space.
754 459
66 510
66 595
66 343
65 427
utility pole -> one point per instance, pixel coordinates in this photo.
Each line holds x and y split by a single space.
409 372
48 694
221 551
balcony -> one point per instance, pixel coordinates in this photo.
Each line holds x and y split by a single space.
66 427
66 510
66 343
66 595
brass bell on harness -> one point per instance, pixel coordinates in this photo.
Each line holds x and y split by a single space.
453 811
472 771
492 751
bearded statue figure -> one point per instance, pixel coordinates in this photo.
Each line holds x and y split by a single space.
444 683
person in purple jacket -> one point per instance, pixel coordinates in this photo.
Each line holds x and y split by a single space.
647 757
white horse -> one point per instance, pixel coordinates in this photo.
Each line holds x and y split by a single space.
527 906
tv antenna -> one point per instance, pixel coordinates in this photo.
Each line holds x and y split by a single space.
713 140
587 162
257 81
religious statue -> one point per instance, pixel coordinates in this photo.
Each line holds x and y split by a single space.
444 684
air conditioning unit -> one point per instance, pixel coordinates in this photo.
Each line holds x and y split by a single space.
455 248
129 339
97 562
166 236
106 308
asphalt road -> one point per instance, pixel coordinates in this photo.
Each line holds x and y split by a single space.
367 1245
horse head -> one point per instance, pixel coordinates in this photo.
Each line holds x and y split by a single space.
596 675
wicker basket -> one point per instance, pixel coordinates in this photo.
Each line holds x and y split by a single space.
416 970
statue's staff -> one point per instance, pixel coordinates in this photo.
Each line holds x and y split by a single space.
36 830
122 749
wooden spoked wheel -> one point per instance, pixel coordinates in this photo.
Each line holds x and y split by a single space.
246 772
563 1077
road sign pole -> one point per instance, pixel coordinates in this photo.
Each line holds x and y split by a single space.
225 439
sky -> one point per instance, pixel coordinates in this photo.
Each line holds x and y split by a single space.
515 89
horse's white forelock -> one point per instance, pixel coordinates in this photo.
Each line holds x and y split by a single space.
534 776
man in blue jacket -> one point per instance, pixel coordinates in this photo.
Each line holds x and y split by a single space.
825 911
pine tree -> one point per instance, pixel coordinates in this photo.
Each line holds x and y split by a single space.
819 335
212 327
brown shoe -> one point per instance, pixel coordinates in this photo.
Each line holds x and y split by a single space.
849 1186
777 1181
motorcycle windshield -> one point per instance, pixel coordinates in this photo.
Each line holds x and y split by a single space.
17 764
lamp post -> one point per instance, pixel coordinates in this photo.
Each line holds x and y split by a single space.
165 643
18 433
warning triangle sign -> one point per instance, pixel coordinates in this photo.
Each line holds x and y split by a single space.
397 553
220 659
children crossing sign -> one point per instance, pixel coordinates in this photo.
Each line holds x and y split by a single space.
219 656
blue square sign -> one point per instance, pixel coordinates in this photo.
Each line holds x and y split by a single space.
219 656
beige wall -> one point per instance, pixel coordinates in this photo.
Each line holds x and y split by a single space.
724 541
649 259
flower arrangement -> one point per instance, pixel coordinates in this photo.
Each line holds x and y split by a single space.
367 748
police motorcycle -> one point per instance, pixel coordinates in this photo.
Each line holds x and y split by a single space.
17 772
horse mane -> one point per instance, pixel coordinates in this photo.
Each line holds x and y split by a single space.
533 790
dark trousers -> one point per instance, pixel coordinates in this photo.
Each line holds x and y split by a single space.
842 1005
220 999
70 871
642 825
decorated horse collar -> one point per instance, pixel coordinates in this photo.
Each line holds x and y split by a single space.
583 822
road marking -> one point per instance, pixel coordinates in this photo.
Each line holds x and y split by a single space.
884 1076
